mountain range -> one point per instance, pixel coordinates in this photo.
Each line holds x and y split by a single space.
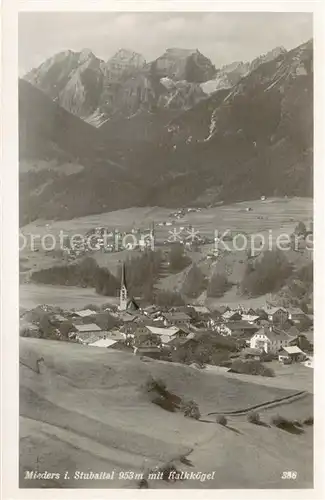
97 136
97 91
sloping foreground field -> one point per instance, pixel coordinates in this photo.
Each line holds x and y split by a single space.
88 410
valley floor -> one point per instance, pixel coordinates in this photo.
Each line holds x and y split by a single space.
68 297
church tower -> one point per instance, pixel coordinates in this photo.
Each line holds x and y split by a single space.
123 291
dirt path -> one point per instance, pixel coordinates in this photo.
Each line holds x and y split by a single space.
267 404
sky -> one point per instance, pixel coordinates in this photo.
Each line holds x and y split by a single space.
224 37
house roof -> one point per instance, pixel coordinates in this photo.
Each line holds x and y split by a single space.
175 341
132 305
127 318
273 334
148 349
201 309
186 329
145 321
85 312
59 317
295 310
293 350
229 314
249 317
176 316
309 334
151 309
170 332
273 310
89 337
91 327
240 325
166 339
248 310
190 336
276 334
139 333
103 343
116 335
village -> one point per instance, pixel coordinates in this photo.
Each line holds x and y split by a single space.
237 338
108 240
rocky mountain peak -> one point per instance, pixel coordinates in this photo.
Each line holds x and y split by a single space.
183 64
85 54
180 52
176 144
269 56
127 57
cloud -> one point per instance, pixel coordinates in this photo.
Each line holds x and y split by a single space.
223 37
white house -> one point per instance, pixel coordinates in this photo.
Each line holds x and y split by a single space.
270 340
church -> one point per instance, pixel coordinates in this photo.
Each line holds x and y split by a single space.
126 304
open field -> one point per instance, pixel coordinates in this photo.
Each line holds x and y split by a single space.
277 213
291 377
88 410
67 297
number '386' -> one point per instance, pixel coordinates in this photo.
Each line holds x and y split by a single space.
289 474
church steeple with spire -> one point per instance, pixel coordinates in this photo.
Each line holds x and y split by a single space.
123 291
